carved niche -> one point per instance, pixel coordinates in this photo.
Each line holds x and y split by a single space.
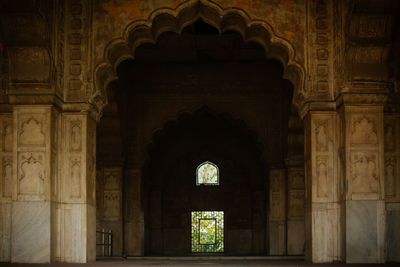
275 206
321 128
364 172
76 135
111 180
296 203
275 183
390 174
75 169
32 174
389 138
111 204
31 132
364 132
296 180
7 138
323 184
7 177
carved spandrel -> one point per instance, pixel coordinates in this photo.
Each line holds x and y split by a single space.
363 131
7 177
75 177
390 177
31 176
31 132
323 184
364 172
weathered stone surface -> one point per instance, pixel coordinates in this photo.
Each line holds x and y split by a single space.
365 231
30 232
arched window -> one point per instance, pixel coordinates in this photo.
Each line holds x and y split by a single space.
207 173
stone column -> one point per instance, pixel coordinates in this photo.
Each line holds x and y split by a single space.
6 184
295 214
277 212
33 163
109 204
75 208
364 206
322 216
392 185
134 221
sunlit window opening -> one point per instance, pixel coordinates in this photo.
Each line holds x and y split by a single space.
207 173
208 231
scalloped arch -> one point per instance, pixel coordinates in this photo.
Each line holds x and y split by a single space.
166 19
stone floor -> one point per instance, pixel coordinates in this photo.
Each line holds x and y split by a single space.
195 262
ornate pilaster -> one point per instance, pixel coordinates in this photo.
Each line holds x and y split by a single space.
322 187
75 209
392 184
363 194
295 214
277 212
33 163
6 184
109 204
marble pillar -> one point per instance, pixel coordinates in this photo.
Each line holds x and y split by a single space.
322 215
295 214
33 166
392 184
74 190
134 221
109 205
6 184
364 206
277 212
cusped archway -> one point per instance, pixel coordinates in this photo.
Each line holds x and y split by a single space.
175 20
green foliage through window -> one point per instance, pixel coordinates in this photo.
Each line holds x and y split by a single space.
207 173
207 231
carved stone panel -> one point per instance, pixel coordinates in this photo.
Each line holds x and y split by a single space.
112 205
31 175
112 179
296 204
390 177
321 134
7 181
76 135
363 131
364 173
30 131
296 179
7 137
76 179
390 142
29 64
323 184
